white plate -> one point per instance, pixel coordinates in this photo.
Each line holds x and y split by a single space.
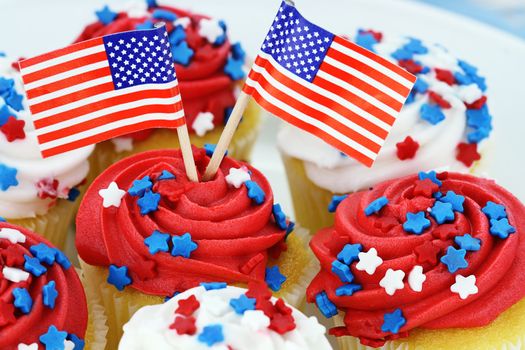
33 26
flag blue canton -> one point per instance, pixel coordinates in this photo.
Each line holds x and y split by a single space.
297 44
139 57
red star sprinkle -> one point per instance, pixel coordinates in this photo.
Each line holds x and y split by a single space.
411 66
258 290
282 323
265 306
445 76
439 100
7 313
425 188
184 325
47 188
467 153
407 149
445 232
427 252
15 64
282 308
188 306
386 223
477 104
13 129
248 267
13 255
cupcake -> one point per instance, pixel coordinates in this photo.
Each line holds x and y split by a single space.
42 302
36 193
209 70
145 232
223 317
431 261
445 124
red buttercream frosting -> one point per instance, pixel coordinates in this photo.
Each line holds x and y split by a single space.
204 86
499 266
70 312
233 234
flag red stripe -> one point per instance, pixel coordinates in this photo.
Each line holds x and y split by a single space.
109 118
307 127
68 82
58 53
108 102
378 59
149 124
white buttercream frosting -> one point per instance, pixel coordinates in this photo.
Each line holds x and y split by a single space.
70 169
329 169
149 328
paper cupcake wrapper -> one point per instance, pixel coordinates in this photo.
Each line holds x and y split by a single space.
97 330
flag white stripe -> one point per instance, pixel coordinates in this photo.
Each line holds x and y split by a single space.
75 88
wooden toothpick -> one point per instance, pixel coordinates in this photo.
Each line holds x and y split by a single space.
187 153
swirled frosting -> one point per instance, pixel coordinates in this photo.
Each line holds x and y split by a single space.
240 327
446 119
206 62
173 234
29 184
463 232
39 289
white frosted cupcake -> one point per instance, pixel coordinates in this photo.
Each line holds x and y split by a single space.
216 316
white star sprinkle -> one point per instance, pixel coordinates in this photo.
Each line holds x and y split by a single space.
182 21
256 320
14 236
369 261
210 29
416 277
69 345
470 93
464 286
392 281
203 123
238 176
112 195
14 275
22 346
122 144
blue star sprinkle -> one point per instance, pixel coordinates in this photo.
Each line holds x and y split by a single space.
279 216
327 308
463 79
146 25
43 253
347 290
79 343
442 212
454 259
5 113
350 253
149 202
432 113
468 242
140 186
242 304
221 38
479 118
210 148
213 285
118 276
479 135
420 86
177 35
164 14
402 54
494 211
106 16
73 194
274 278
23 301
431 175
455 200
6 85
7 177
392 322
53 339
416 46
157 242
238 52
342 271
151 3
255 192
334 203
182 54
33 266
166 175
501 228
467 67
376 206
62 259
416 223
49 294
211 334
366 40
183 245
14 100
233 68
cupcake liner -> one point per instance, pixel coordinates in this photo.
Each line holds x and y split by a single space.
97 329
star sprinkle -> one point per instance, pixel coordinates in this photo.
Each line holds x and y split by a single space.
14 275
118 276
431 175
407 148
237 176
464 286
73 194
501 228
157 242
112 195
49 294
5 113
183 245
184 325
213 285
166 175
182 54
7 177
210 149
494 211
12 235
106 16
187 306
14 100
467 153
62 259
255 320
468 242
177 35
416 223
369 261
242 304
432 113
454 259
234 68
455 200
238 52
442 212
78 343
416 278
327 308
13 129
274 279
282 323
445 76
425 188
439 100
342 271
334 203
255 192
33 346
149 202
164 14
427 253
348 289
43 253
210 29
33 266
392 322
53 339
392 281
122 144
279 216
22 300
376 206
140 186
211 335
203 123
366 40
350 253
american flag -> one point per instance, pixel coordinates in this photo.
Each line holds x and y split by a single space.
102 88
327 85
